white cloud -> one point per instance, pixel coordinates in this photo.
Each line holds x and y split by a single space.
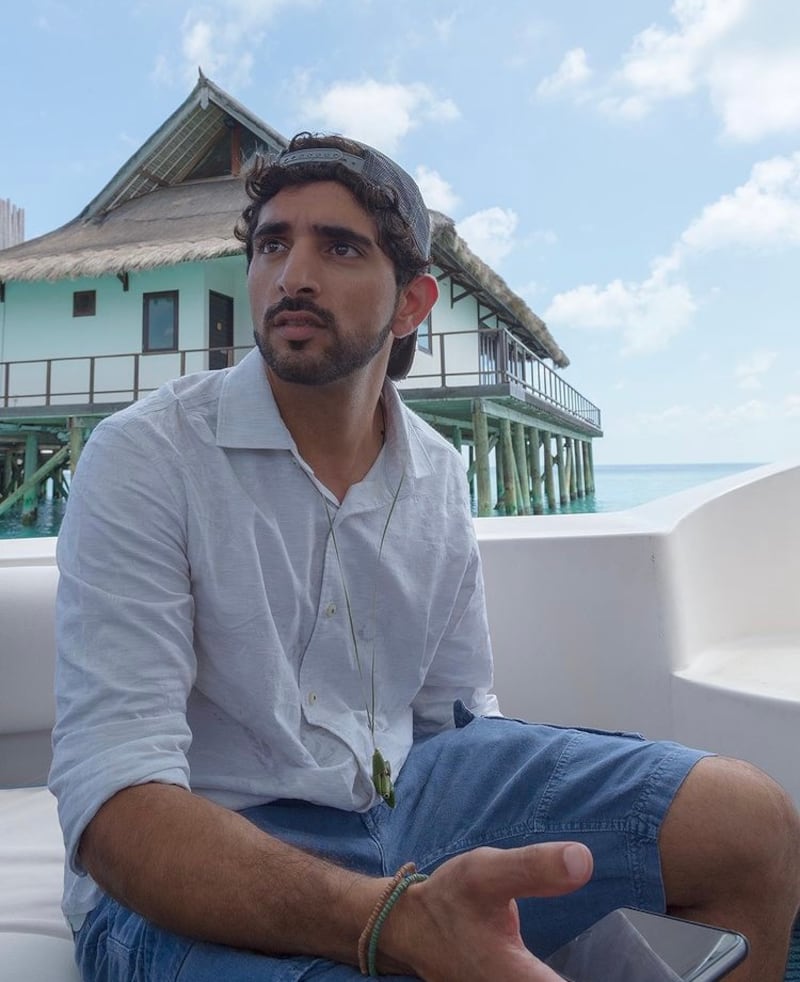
490 233
756 92
711 47
436 192
647 315
378 113
222 40
763 212
570 75
662 64
749 370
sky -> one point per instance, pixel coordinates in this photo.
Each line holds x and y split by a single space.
630 168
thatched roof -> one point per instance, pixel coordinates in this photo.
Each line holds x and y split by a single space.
192 222
452 254
185 223
156 212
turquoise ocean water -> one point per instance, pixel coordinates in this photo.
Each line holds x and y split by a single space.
621 486
618 487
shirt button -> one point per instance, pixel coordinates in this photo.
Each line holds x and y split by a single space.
330 610
312 698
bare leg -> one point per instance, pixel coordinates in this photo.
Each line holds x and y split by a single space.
730 852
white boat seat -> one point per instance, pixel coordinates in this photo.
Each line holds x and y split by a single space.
743 699
35 941
33 958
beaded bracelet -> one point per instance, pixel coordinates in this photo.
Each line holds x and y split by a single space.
405 877
363 941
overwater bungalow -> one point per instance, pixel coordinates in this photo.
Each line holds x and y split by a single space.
148 283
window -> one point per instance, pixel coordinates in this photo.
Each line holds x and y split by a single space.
160 321
424 331
84 303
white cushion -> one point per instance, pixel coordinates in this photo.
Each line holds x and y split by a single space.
31 865
27 652
32 958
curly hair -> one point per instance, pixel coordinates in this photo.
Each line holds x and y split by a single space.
264 178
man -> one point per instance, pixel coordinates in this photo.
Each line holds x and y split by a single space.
274 676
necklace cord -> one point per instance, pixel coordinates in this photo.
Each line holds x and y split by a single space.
373 694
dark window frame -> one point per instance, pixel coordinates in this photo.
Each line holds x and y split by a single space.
84 303
425 338
147 347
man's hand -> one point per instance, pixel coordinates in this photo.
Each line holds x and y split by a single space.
462 924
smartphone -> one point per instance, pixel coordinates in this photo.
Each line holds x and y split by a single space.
630 945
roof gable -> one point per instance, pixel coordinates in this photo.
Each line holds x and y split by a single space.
207 136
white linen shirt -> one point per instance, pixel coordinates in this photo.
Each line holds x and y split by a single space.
202 623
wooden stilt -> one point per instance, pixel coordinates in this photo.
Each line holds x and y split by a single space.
500 478
563 490
8 473
579 468
30 500
589 451
536 470
548 463
34 481
480 429
521 457
573 471
573 479
587 472
509 468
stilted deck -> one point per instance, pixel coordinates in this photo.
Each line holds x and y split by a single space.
540 456
525 433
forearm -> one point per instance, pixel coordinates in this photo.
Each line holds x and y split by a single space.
203 871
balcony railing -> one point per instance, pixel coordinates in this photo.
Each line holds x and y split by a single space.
454 360
499 358
99 379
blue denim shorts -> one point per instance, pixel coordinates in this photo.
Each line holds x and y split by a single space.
488 782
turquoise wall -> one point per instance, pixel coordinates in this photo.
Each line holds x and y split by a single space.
37 319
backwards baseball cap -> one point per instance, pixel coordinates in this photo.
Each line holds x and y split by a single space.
379 171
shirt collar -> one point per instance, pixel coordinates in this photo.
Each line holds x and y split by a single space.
248 418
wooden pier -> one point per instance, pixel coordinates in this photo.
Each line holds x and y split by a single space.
526 435
34 451
521 459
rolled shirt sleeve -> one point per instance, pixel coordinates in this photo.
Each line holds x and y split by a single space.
124 616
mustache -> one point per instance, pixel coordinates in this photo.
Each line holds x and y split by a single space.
294 305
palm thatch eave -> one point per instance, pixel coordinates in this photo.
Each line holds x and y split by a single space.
95 263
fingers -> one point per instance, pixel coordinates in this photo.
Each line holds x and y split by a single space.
548 869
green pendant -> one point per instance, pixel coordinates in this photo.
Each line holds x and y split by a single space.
382 777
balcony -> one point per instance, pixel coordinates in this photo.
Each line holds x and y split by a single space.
450 367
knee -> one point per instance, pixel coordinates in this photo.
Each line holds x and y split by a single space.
767 821
731 827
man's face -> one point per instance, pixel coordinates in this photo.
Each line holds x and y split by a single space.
322 292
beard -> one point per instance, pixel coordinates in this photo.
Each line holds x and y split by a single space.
342 357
